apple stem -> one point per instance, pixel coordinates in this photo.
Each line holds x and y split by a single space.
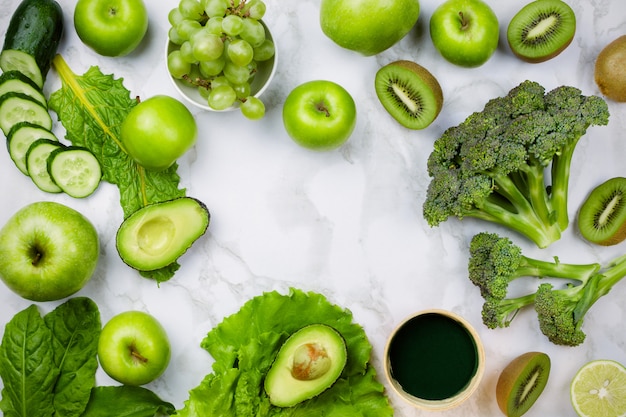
321 107
36 258
464 21
137 356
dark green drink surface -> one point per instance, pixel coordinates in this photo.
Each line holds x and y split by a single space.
433 357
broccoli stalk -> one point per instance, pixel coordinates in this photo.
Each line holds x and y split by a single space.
510 163
496 261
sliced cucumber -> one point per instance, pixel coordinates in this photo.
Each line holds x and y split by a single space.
20 137
16 82
75 170
16 60
37 164
18 107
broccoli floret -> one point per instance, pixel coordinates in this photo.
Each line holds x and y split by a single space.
510 163
495 261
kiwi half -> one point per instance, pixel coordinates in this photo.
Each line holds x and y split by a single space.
602 216
521 382
410 93
541 30
610 70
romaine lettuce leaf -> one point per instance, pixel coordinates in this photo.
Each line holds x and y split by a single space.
245 344
92 108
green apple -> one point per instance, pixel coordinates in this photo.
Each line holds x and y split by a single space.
48 251
134 348
158 131
465 32
111 27
319 115
368 26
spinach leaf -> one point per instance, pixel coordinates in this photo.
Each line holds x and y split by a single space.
126 401
27 366
75 327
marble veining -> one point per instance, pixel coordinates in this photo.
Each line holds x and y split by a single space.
345 223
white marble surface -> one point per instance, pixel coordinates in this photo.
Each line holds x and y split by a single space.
345 223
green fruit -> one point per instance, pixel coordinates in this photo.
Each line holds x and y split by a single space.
410 93
134 348
465 32
610 71
308 363
368 26
158 234
521 382
319 115
158 131
541 30
48 251
111 27
602 216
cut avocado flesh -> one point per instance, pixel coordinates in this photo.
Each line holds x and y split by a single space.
308 363
158 234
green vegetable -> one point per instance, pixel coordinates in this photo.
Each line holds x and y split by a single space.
496 261
48 364
92 108
510 163
18 107
126 401
16 82
75 170
245 344
32 39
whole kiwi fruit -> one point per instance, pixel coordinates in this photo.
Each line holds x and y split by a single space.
410 93
521 382
541 30
602 216
610 70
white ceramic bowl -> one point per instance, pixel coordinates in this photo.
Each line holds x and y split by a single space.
262 78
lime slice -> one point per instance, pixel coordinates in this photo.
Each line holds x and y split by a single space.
599 389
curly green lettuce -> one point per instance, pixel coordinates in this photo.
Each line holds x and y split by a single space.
245 344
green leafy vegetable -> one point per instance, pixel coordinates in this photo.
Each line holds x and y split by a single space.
92 108
510 163
75 327
126 401
27 366
245 344
48 365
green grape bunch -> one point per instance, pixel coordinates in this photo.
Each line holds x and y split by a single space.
219 44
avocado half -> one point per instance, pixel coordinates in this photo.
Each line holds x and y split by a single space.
156 235
308 363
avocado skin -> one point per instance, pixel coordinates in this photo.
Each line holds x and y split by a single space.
282 388
156 235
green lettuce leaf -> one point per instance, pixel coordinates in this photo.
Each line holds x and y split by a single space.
75 327
27 366
245 344
92 108
126 401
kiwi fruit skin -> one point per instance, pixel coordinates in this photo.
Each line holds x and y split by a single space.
602 216
541 30
410 93
527 376
610 70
